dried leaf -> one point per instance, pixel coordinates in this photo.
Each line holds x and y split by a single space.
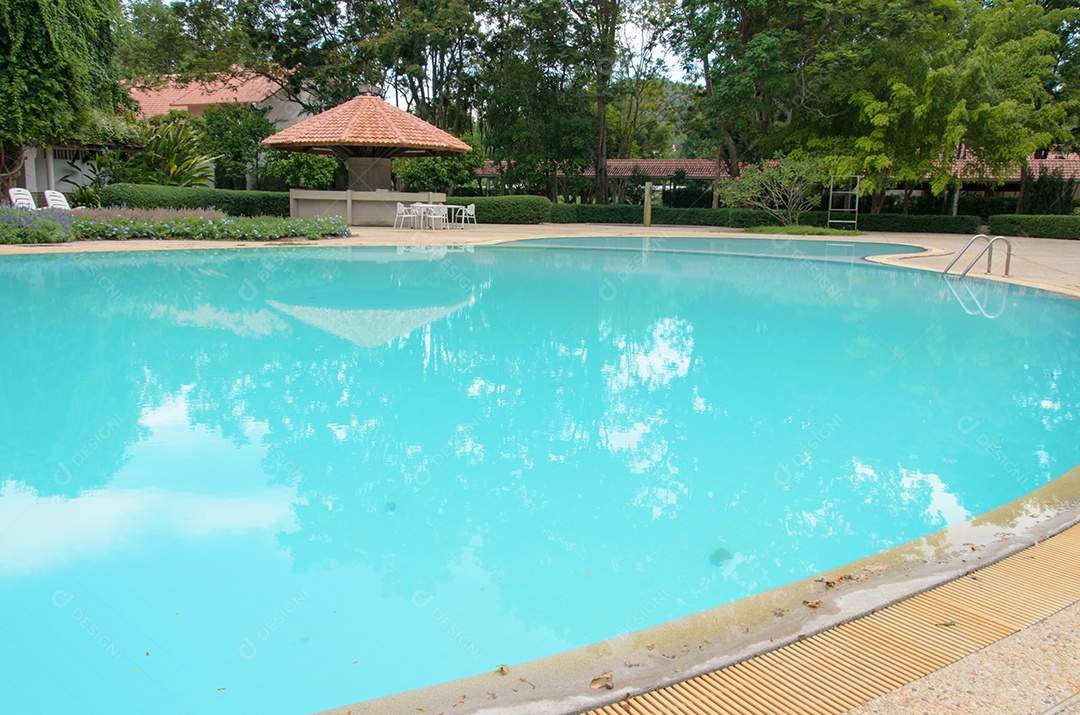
628 664
492 696
503 670
946 625
816 603
602 681
779 612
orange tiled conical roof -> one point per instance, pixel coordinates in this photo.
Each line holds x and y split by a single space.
367 126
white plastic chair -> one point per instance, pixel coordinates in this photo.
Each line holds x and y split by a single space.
56 200
22 199
468 214
438 215
405 213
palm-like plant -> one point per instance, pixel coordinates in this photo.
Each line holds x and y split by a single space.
171 156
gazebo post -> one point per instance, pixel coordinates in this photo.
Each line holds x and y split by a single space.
368 174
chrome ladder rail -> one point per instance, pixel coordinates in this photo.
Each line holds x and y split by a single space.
980 307
988 249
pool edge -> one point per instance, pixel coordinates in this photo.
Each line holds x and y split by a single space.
706 641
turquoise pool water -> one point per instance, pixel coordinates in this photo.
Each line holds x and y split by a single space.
286 479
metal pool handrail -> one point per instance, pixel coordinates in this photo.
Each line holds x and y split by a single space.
987 249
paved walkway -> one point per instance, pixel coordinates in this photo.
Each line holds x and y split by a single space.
1050 263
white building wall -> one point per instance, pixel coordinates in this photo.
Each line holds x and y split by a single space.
48 168
283 113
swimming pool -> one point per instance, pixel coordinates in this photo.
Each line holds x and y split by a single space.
290 479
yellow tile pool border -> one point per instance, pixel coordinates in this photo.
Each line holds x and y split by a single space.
840 668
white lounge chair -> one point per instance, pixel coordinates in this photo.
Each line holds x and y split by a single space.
56 200
22 199
468 214
405 213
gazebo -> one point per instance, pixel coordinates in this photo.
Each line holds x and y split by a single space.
369 132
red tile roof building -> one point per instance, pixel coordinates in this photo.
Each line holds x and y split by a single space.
195 97
367 126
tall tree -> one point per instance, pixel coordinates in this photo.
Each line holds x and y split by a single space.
638 117
152 42
430 49
538 120
321 52
935 91
597 26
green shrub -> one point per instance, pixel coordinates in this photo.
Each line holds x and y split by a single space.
259 228
802 230
507 209
23 226
684 198
564 213
611 213
919 224
728 218
986 206
747 218
1036 226
234 203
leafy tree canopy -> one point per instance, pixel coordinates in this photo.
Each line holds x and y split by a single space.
56 69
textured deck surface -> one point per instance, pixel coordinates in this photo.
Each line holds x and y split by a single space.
843 667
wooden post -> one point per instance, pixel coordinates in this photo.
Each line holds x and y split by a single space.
648 203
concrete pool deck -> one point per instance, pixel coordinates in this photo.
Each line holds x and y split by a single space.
1053 264
1026 672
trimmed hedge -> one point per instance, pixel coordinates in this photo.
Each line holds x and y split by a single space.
234 203
730 218
506 209
563 213
986 206
611 213
687 198
1036 226
919 224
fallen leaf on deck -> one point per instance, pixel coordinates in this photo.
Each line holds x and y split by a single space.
950 623
628 664
779 612
502 670
816 603
602 681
